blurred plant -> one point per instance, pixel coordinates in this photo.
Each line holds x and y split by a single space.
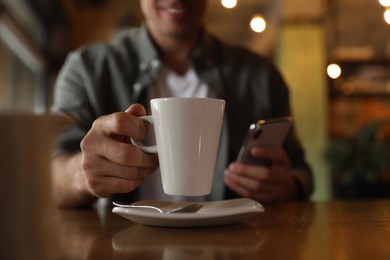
361 157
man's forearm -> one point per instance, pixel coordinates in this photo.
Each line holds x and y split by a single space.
70 188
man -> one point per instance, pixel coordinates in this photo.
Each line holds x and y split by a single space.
170 55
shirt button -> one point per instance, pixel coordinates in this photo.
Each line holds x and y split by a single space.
155 63
143 66
137 87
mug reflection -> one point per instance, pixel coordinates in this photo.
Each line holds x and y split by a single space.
200 243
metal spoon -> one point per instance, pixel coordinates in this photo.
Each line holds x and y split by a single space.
188 208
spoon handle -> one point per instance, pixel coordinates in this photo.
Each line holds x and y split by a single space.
189 208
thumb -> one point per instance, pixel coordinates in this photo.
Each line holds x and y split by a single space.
136 110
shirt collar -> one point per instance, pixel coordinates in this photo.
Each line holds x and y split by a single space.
148 55
203 54
147 52
203 61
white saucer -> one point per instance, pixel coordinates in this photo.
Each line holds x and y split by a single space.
213 213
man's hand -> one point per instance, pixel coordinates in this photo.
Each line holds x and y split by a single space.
264 184
108 162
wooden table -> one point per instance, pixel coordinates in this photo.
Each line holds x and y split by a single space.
322 230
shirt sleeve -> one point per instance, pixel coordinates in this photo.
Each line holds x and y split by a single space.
70 98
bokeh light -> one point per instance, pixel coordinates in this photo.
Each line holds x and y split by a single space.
386 15
334 71
258 24
229 3
385 3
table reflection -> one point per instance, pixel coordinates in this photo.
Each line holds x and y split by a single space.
305 231
280 233
179 243
84 234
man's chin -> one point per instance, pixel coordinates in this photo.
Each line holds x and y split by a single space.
182 32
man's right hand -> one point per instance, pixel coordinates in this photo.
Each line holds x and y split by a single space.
109 163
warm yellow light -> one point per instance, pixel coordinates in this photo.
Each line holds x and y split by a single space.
229 3
386 15
258 24
385 3
334 71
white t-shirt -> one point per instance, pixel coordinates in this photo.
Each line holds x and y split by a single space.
170 84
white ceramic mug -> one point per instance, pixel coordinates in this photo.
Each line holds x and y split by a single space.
187 132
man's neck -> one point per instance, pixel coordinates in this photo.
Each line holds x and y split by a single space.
176 52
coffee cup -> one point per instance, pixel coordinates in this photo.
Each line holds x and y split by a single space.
187 133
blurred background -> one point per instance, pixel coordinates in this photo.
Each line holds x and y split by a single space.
334 54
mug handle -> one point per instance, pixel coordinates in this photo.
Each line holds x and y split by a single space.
145 148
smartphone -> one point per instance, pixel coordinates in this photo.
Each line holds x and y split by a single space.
269 133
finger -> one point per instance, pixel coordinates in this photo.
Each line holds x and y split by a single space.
122 124
275 154
105 178
250 171
253 175
103 186
127 154
250 184
103 167
137 110
253 185
266 194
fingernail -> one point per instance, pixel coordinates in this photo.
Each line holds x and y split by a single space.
233 167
